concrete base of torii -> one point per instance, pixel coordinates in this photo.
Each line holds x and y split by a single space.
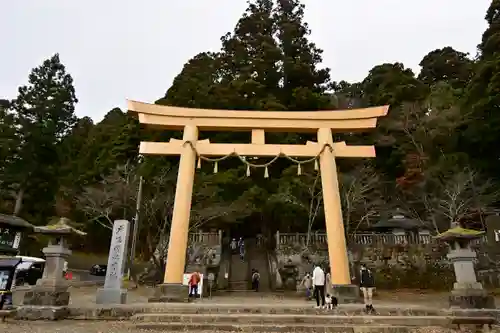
170 293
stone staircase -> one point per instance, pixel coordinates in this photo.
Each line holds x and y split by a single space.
268 318
257 256
239 274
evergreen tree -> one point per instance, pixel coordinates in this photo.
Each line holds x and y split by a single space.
392 84
304 84
250 59
43 114
447 65
8 143
482 105
112 142
194 85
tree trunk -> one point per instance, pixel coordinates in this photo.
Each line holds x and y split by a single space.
19 201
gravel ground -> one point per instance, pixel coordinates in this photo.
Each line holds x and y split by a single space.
114 327
68 326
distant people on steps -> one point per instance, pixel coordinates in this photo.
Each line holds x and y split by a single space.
255 280
241 245
233 246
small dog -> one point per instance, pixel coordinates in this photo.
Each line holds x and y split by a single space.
331 302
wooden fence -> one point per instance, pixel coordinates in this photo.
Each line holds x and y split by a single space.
208 238
360 238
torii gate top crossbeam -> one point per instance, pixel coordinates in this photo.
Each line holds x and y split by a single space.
169 117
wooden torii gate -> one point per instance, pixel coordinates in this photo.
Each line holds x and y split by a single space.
191 121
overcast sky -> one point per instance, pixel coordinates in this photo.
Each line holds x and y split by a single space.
119 49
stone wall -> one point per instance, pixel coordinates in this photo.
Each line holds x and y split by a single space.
204 255
414 262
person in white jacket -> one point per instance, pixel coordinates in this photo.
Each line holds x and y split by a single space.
318 280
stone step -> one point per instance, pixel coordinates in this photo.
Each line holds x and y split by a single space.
199 308
271 328
291 320
238 285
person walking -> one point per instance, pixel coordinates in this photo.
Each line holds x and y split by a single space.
65 269
255 280
318 279
233 246
307 283
194 281
367 284
241 245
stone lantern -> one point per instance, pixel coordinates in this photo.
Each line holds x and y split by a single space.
50 297
467 292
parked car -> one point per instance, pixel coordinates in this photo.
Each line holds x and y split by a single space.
29 270
98 270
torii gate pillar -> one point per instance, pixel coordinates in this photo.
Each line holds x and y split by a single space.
337 247
172 288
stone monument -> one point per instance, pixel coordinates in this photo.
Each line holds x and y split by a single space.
113 291
467 292
50 297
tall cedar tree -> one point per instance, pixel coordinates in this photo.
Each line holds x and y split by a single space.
194 85
304 84
250 61
8 141
43 114
266 63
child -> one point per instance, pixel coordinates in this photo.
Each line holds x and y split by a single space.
194 280
367 284
307 283
331 302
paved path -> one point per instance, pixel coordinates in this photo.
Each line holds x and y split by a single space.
85 296
84 275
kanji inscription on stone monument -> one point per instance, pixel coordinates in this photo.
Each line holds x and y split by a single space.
113 291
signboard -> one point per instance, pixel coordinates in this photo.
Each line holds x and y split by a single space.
10 238
185 282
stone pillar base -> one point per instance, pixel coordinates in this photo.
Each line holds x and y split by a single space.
27 312
471 299
346 293
44 303
46 296
111 296
170 293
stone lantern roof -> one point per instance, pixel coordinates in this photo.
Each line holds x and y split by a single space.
459 233
60 228
14 222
